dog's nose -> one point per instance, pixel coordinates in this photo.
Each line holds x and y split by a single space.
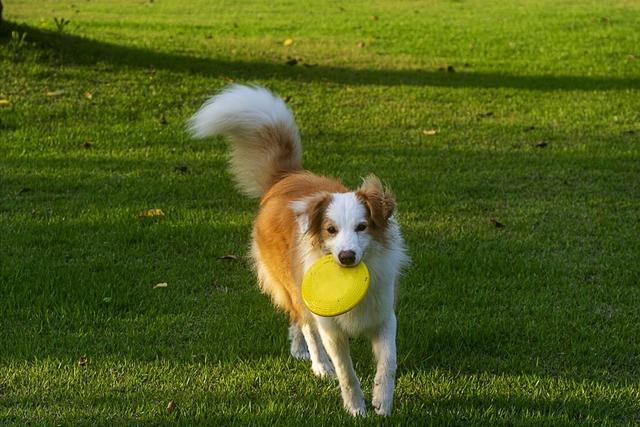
347 257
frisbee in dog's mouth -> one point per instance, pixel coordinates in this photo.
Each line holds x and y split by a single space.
329 289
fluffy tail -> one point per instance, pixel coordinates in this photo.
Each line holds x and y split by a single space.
265 143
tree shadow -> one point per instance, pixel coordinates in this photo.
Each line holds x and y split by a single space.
118 331
76 50
86 248
198 320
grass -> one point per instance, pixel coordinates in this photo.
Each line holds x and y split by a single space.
537 128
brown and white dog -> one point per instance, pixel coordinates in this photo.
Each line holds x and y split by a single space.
303 217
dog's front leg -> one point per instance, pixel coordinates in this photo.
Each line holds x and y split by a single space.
383 342
337 345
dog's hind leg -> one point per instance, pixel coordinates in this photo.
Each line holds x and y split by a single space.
298 348
282 298
320 362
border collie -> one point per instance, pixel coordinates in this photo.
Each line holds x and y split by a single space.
302 217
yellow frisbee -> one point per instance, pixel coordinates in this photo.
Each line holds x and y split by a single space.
330 290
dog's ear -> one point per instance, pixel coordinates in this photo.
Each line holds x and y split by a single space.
310 212
379 200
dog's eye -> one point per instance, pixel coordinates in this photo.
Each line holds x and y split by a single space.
332 230
361 227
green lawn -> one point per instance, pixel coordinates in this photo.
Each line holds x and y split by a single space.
524 114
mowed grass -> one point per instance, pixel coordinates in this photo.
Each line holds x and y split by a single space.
477 113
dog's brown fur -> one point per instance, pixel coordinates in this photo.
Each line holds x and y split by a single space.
380 204
275 236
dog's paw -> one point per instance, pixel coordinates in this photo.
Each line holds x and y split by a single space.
381 404
298 346
356 409
357 412
382 408
300 351
323 369
300 354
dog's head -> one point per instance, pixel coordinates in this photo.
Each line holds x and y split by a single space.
346 224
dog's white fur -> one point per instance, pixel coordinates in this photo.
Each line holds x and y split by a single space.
266 161
239 113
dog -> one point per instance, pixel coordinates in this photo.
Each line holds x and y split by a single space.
303 217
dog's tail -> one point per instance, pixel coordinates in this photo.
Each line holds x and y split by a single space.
265 143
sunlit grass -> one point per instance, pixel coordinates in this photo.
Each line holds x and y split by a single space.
476 113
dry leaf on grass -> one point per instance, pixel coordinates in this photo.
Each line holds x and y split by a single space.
287 42
83 361
171 406
151 213
88 95
55 93
429 131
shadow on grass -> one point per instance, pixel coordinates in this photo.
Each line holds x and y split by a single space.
83 258
64 315
75 50
180 323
